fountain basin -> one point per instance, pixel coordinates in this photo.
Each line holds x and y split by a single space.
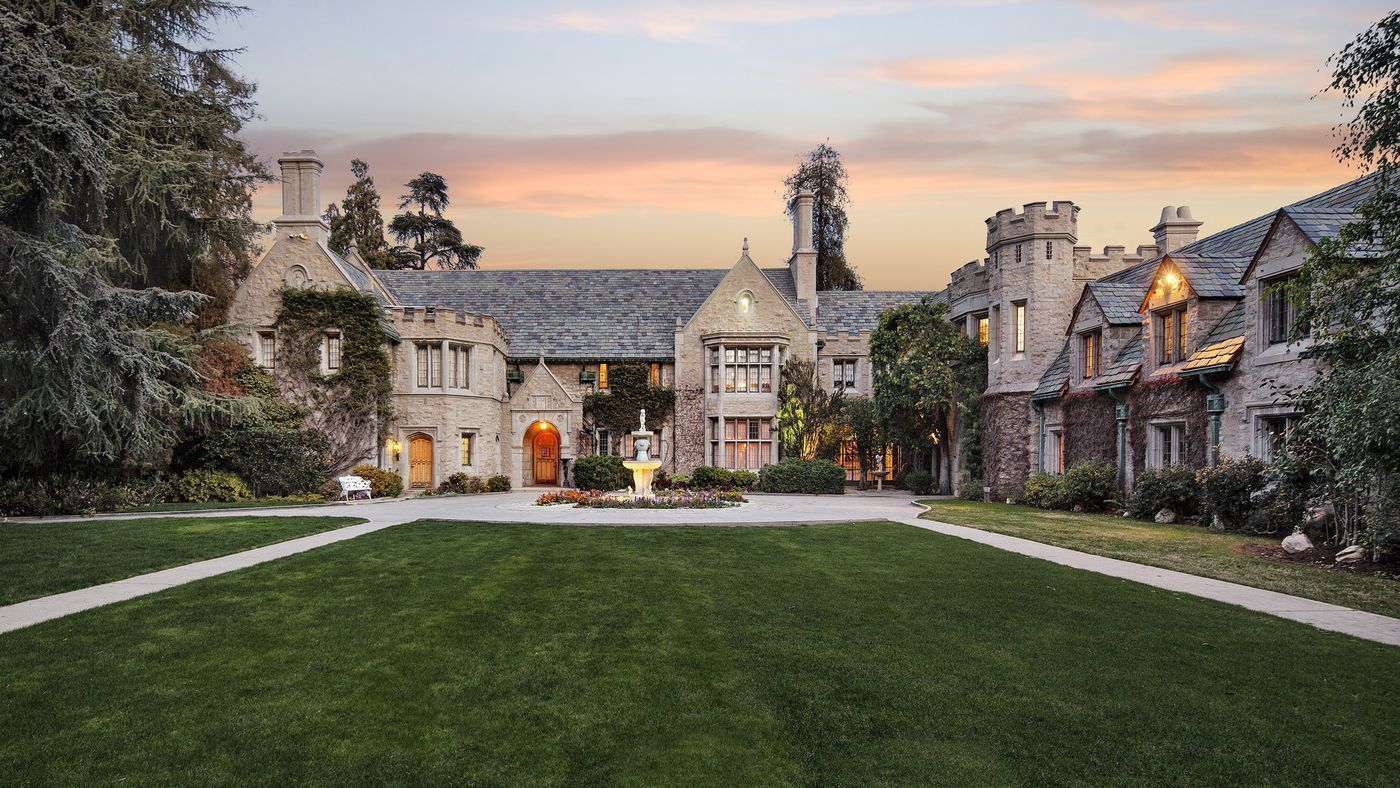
642 473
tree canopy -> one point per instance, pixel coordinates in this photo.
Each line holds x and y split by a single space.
357 220
823 173
926 372
1348 297
117 167
809 414
425 236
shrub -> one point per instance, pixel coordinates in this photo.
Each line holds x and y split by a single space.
1173 487
1091 485
462 484
601 472
41 496
818 477
1226 491
918 481
498 483
1045 490
273 462
382 483
972 491
709 476
203 486
744 480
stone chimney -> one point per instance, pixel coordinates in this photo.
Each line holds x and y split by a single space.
301 197
1175 229
804 255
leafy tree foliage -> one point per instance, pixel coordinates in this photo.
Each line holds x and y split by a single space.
809 414
424 235
357 220
629 391
926 372
823 173
1348 292
862 420
92 374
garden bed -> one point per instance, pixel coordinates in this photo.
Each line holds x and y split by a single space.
685 499
1321 557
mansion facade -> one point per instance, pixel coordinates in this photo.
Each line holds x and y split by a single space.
1173 353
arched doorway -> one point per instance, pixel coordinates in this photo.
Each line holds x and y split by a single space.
542 453
420 461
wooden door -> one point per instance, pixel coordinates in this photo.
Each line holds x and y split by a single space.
420 461
546 458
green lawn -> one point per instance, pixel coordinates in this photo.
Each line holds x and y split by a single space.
256 503
38 559
1185 548
869 653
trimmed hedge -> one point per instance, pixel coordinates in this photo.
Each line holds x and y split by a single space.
382 483
711 476
601 472
1173 487
273 462
1046 491
744 480
205 486
1091 485
498 483
817 477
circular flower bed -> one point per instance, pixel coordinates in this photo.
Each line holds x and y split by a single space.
687 499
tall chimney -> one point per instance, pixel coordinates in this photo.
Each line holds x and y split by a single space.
301 196
1175 229
804 255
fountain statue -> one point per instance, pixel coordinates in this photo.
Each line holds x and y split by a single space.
643 467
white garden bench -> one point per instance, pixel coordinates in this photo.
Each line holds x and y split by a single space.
354 484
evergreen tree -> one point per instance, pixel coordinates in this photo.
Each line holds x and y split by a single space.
823 173
809 414
91 374
178 181
357 220
424 235
1348 299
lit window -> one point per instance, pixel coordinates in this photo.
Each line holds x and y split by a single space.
656 374
1091 350
1280 313
982 330
1020 326
1171 335
843 373
332 352
1168 445
429 362
743 443
467 440
267 349
602 376
746 370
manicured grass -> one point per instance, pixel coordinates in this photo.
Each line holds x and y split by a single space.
1185 548
38 559
869 653
260 503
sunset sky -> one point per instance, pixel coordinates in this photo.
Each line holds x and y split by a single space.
658 133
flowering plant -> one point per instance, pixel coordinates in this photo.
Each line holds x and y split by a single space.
596 499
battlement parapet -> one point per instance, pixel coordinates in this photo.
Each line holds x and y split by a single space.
1054 219
443 319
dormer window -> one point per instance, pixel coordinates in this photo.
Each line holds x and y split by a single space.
1280 313
1091 352
1171 335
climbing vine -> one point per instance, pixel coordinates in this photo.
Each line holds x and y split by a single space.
630 391
353 405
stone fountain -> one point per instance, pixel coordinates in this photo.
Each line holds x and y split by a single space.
643 467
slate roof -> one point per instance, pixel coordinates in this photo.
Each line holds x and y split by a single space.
1124 366
859 310
601 313
1222 346
1056 377
1118 301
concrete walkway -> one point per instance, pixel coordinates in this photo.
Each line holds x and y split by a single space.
763 510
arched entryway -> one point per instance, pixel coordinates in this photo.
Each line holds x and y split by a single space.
541 454
420 461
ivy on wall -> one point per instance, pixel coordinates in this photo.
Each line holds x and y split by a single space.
353 405
1090 423
629 391
1171 399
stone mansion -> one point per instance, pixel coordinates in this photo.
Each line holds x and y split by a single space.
1165 355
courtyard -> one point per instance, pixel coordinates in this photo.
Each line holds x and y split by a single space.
858 651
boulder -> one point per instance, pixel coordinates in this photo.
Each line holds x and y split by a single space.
1165 516
1298 542
1351 555
1319 517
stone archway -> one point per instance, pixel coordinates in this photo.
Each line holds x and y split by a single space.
541 454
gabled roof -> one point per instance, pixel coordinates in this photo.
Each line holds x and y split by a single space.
1124 367
1056 378
859 310
1222 346
1117 301
1322 215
